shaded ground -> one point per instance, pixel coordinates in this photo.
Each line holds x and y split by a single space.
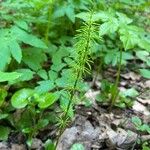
97 128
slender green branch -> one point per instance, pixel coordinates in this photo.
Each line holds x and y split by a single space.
83 52
115 91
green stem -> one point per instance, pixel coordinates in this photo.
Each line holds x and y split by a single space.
115 91
79 75
50 9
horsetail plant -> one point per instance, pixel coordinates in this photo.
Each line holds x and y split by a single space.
85 39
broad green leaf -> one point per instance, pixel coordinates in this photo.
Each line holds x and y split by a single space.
145 127
15 50
20 98
32 59
26 74
83 15
46 100
59 12
52 75
22 24
145 73
123 19
45 86
129 35
4 132
30 39
109 27
9 76
43 74
70 13
142 55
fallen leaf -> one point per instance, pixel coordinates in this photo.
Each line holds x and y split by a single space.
131 75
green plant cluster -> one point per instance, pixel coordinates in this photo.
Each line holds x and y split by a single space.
48 48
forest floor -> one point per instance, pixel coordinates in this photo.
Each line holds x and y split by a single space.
96 127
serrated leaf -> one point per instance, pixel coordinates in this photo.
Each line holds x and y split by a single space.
45 86
20 98
22 24
30 39
9 76
137 121
70 13
26 74
52 75
109 27
15 50
123 19
32 59
43 74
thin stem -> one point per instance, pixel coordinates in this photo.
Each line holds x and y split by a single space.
79 75
115 90
50 9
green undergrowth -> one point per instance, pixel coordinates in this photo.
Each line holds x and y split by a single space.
49 48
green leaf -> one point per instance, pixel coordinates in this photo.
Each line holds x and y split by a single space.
46 100
130 92
15 50
129 35
123 19
43 74
45 86
83 15
70 13
4 132
49 145
137 121
109 27
4 55
142 55
77 146
3 116
20 98
32 59
42 123
52 75
30 39
26 74
145 73
145 127
3 94
22 24
9 76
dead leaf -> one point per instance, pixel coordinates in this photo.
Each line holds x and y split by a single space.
140 108
131 75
